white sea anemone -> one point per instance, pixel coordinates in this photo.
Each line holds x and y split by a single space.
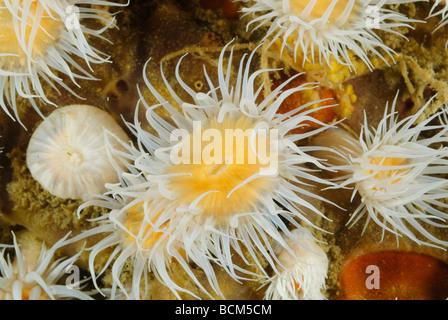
303 274
221 198
440 8
329 28
399 170
38 43
32 277
67 153
138 239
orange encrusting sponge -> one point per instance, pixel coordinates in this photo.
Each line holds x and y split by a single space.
401 276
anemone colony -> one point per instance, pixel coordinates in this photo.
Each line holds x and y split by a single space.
222 185
213 208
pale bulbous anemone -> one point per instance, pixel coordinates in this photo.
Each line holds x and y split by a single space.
329 28
67 154
40 41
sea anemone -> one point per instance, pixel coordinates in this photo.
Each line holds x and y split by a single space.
303 274
67 154
329 28
229 169
39 40
32 277
138 239
440 8
398 169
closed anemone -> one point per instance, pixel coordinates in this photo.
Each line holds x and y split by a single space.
303 270
326 29
41 41
67 152
224 200
399 171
